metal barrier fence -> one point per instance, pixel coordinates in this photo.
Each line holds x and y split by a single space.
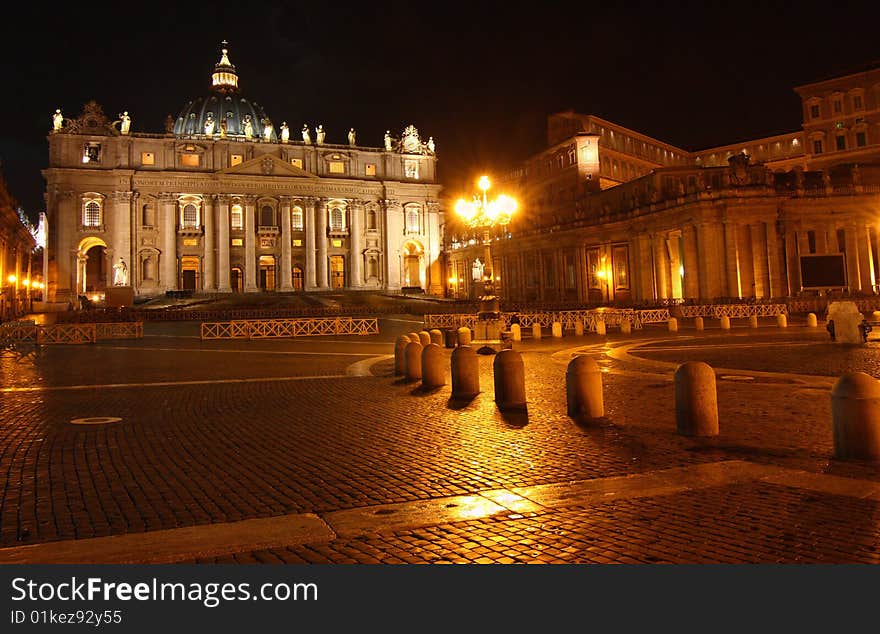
568 318
285 328
69 333
733 310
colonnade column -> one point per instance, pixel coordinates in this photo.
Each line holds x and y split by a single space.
759 259
169 241
286 263
645 269
321 237
309 226
691 288
778 284
731 260
250 246
63 247
223 282
357 208
208 280
866 258
661 267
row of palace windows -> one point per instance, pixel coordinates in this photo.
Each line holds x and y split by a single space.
857 102
840 143
190 217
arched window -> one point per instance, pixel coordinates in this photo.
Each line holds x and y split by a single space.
371 219
412 219
296 219
267 216
92 214
236 219
337 219
190 216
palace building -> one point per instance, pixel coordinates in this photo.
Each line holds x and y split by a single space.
225 201
17 246
610 215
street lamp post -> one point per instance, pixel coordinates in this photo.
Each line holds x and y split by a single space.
482 214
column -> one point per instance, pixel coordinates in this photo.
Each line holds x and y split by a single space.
691 288
731 260
321 237
866 258
250 246
223 281
286 262
393 227
208 280
792 261
309 227
853 272
357 209
710 244
120 231
62 246
776 276
746 261
644 269
169 241
759 259
134 272
661 267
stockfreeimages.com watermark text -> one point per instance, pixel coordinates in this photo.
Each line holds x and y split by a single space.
209 594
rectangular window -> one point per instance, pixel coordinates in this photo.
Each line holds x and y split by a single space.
814 112
148 158
817 147
237 242
370 169
861 139
235 159
620 258
296 220
337 167
811 241
841 142
91 153
189 160
857 102
297 243
411 168
296 162
236 218
837 106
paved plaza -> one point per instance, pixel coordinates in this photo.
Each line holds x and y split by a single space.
310 450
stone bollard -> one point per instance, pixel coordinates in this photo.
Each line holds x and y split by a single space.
433 370
600 327
436 336
812 322
465 373
556 330
782 321
536 331
626 326
698 324
400 354
425 338
855 416
510 380
414 337
412 368
583 388
724 322
753 321
464 336
673 324
696 400
578 328
516 332
450 336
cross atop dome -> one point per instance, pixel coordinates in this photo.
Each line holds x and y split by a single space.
224 79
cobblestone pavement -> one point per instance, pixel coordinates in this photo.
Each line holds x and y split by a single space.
218 432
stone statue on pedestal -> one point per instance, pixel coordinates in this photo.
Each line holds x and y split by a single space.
125 123
120 273
307 138
319 134
351 137
57 120
209 124
285 132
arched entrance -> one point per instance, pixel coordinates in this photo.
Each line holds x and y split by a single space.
91 271
337 271
189 273
267 272
297 278
412 257
235 279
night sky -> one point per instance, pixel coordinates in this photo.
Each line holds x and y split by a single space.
478 77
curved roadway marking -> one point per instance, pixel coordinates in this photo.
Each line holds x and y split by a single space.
365 367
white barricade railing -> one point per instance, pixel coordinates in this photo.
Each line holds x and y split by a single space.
286 328
717 311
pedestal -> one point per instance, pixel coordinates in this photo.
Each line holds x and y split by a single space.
118 296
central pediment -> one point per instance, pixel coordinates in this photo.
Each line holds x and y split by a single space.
266 165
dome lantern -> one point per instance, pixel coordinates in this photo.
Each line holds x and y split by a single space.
224 79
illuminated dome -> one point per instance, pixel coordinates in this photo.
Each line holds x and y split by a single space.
225 102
